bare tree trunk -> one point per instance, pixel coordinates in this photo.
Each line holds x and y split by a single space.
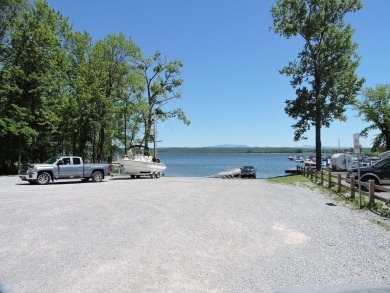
101 145
318 142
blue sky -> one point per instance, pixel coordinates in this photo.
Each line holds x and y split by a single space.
232 92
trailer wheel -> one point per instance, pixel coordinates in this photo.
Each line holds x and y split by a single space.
152 175
132 176
43 178
158 175
97 176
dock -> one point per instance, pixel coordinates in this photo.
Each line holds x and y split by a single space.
291 171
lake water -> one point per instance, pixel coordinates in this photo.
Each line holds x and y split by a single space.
201 165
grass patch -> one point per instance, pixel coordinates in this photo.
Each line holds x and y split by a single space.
289 179
381 224
342 196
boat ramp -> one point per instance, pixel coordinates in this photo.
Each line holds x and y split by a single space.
229 174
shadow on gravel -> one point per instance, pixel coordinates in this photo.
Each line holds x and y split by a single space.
129 178
59 183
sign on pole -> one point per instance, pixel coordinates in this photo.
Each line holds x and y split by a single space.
356 144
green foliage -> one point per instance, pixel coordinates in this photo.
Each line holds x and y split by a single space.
324 74
63 93
32 69
289 179
375 108
162 82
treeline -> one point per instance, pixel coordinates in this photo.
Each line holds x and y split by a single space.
249 150
61 92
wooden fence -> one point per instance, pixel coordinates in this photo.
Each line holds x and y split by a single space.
335 179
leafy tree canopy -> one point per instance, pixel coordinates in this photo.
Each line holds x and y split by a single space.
374 107
63 93
323 75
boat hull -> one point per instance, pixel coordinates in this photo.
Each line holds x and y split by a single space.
140 167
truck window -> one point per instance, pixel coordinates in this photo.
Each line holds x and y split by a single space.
66 161
76 161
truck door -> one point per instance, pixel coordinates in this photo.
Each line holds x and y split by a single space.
386 173
77 168
69 169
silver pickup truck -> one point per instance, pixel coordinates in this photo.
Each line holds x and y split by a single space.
67 167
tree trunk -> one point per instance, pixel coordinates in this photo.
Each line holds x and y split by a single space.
101 145
318 142
387 139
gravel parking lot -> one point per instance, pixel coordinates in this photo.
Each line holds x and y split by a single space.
182 235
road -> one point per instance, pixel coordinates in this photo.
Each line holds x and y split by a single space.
183 235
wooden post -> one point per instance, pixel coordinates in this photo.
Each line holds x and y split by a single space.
311 173
315 175
371 191
338 183
329 179
322 178
353 187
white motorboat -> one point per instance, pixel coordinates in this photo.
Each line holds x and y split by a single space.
138 162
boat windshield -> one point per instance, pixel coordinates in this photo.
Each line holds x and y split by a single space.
51 160
140 151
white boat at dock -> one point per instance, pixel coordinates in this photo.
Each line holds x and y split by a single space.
138 162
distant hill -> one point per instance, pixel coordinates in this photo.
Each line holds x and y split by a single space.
230 146
325 147
232 149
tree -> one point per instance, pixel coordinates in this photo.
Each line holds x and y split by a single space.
10 10
162 81
375 108
324 75
31 71
112 63
129 108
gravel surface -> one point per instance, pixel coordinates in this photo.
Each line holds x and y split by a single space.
182 235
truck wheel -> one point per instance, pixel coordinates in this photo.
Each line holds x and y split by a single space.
97 176
43 178
158 175
152 175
